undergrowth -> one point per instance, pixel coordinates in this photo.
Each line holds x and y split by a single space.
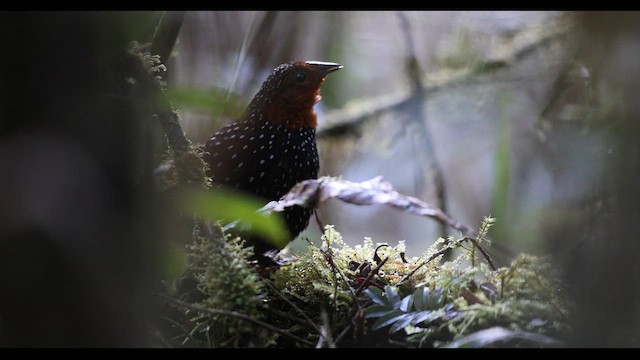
371 295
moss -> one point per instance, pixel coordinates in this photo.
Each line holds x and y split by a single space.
227 282
182 170
322 284
524 296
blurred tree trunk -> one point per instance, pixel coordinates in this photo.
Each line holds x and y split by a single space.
597 243
75 182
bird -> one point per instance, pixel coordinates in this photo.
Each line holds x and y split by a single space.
273 145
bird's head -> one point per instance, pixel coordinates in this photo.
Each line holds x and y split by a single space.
288 95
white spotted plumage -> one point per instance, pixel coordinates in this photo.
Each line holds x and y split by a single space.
267 153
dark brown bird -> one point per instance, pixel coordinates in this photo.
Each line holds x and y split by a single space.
273 146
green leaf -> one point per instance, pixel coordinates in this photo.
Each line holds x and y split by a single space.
375 311
406 303
400 323
420 297
173 262
496 334
423 316
388 319
391 293
206 99
377 296
436 300
227 205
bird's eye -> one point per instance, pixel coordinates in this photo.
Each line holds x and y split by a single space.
300 77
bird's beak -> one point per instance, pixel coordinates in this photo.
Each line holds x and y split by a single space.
324 68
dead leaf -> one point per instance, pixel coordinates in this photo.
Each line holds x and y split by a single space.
377 191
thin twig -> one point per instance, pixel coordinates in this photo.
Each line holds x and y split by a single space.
344 331
236 315
326 329
422 141
357 313
371 275
356 302
329 259
483 251
337 270
318 221
438 253
288 316
175 323
356 293
443 251
294 306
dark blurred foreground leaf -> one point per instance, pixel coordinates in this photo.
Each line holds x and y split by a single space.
499 336
226 205
376 191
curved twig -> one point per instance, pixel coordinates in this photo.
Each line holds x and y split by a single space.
443 251
236 315
373 273
426 261
296 308
483 251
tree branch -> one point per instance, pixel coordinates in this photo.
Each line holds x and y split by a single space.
423 146
149 87
349 120
166 34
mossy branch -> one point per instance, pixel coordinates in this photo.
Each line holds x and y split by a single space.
422 142
189 167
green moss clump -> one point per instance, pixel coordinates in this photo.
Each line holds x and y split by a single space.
418 302
226 281
525 297
528 297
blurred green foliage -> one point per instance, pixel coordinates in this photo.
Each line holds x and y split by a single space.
212 101
226 205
